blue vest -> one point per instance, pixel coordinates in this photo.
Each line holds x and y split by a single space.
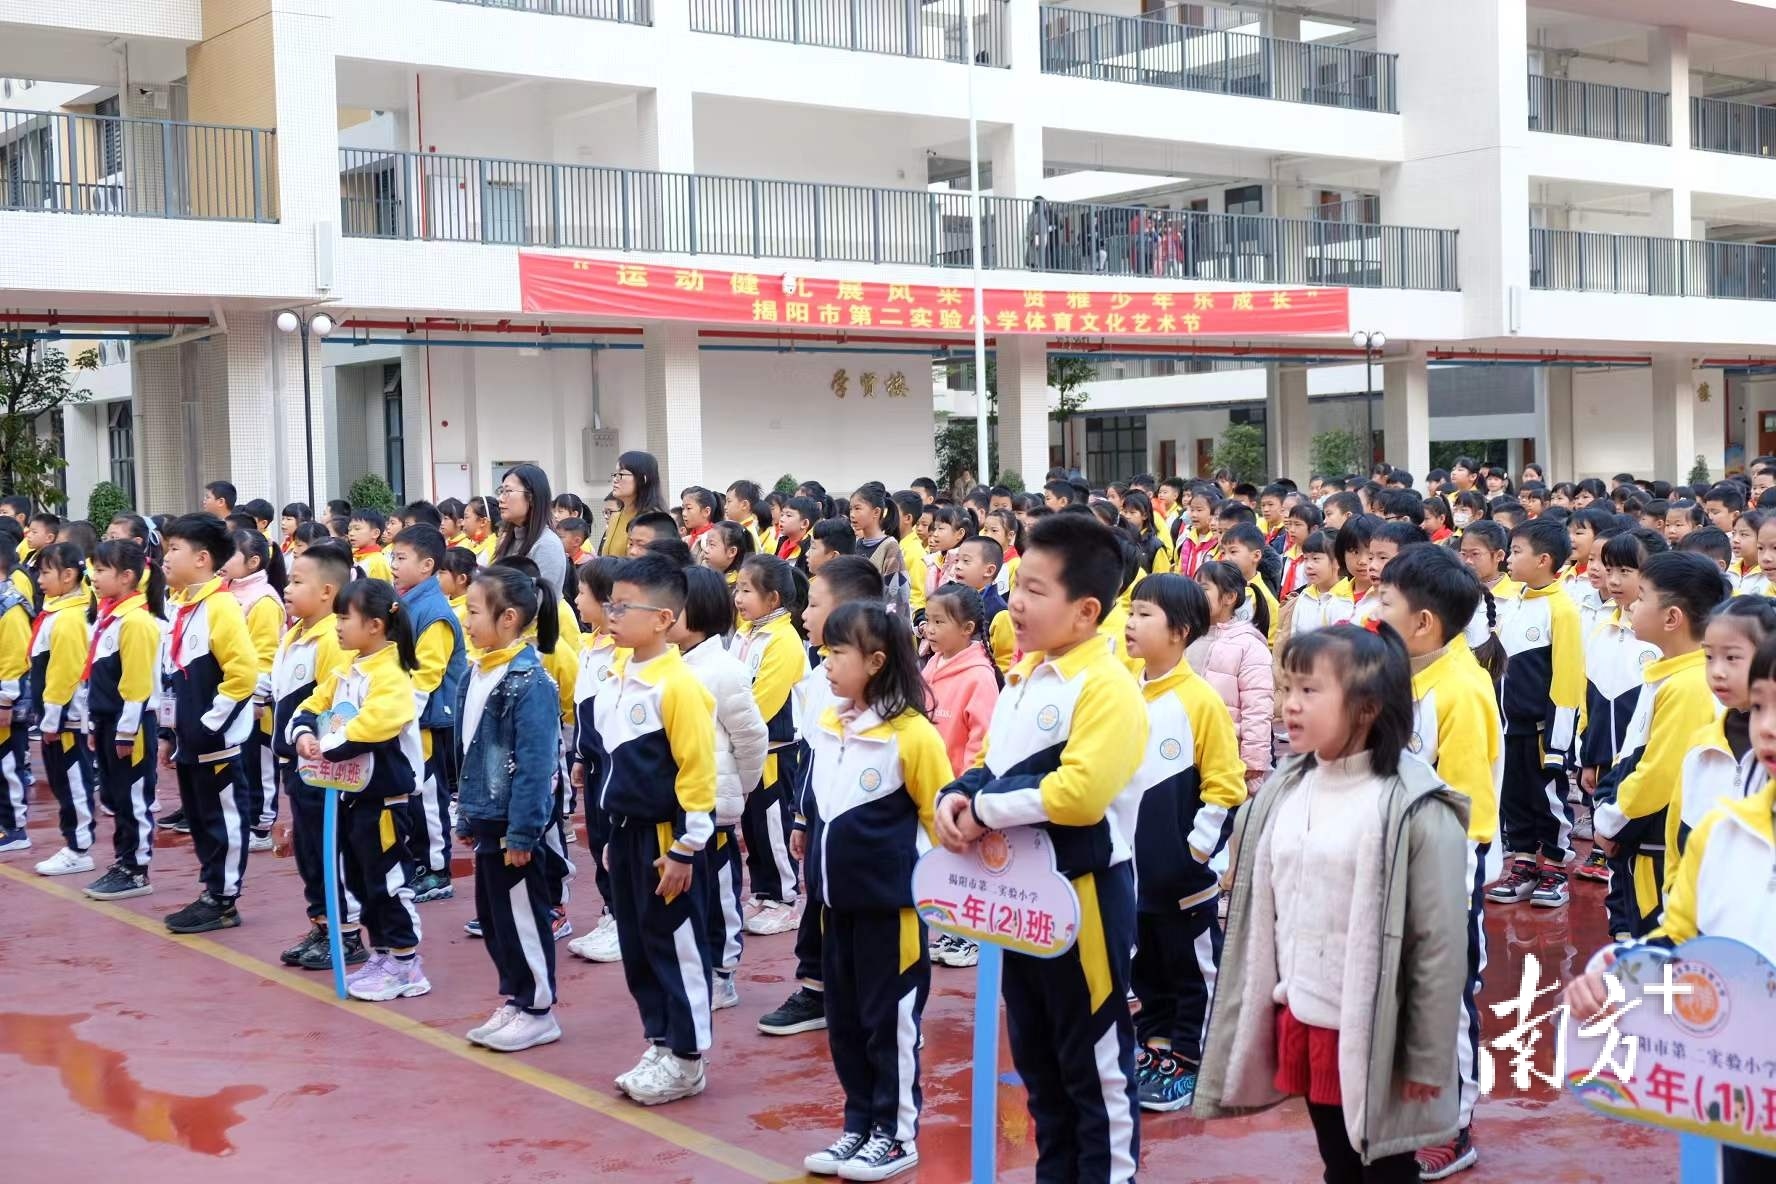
426 605
992 604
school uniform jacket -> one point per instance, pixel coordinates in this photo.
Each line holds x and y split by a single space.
122 666
808 702
1001 636
1631 801
1544 686
1193 550
914 559
655 729
740 735
775 659
1114 629
872 793
1575 581
15 649
1189 782
384 725
1720 889
371 564
1067 735
1484 625
1456 731
265 624
591 677
1316 610
1710 775
1753 583
307 654
1615 672
58 658
211 671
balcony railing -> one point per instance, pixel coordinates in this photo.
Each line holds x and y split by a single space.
629 12
929 29
145 168
1188 57
1718 125
527 203
1587 261
1598 110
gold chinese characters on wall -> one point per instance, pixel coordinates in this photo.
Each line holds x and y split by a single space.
895 384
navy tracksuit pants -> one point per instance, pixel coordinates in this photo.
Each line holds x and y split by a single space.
216 804
877 977
665 943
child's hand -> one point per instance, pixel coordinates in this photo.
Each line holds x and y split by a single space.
517 858
5 717
308 748
166 754
126 750
1588 778
957 827
578 777
798 844
675 877
1608 846
1586 997
1418 1091
281 836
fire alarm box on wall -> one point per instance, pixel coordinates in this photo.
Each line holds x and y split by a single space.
599 446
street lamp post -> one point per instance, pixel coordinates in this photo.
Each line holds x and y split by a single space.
1370 342
320 324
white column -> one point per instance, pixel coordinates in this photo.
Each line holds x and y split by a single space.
1015 152
1406 413
673 389
307 142
664 125
1674 417
1554 439
1020 39
1023 407
1668 69
1288 422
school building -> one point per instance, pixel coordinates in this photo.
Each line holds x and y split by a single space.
1554 221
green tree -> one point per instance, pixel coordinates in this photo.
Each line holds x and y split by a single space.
955 438
372 491
1699 471
35 381
1334 453
956 450
105 502
1241 451
786 485
1011 479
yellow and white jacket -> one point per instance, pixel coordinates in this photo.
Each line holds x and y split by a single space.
1456 730
1722 887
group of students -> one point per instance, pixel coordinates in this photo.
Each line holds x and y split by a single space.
1260 726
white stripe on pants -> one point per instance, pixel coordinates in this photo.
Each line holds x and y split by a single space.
1467 1037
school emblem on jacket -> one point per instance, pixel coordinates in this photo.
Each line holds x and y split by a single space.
1049 718
300 673
638 714
1169 748
1532 633
1415 744
870 780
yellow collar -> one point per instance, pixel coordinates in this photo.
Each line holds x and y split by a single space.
204 592
499 657
1168 682
301 634
1666 667
74 599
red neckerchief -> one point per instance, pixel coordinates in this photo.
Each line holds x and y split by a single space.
789 549
366 552
698 532
183 616
1442 534
107 614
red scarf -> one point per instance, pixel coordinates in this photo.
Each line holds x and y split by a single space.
183 618
107 614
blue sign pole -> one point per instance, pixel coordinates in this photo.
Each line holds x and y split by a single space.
330 860
985 1115
1698 1160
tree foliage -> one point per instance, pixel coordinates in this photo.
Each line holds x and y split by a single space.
105 502
1241 451
35 380
1334 453
786 485
1699 471
373 492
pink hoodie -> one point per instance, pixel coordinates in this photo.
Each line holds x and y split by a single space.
1234 660
963 691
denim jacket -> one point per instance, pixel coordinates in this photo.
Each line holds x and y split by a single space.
508 772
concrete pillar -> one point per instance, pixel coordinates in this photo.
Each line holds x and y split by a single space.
1554 436
1668 69
1019 39
1406 413
1015 153
1022 364
673 389
1674 417
1288 422
160 443
664 124
1285 26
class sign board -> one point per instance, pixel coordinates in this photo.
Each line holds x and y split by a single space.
346 776
1005 891
1704 1062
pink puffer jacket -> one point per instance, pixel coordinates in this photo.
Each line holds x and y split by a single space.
1236 662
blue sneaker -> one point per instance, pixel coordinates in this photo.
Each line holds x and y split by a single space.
1167 1086
14 840
473 927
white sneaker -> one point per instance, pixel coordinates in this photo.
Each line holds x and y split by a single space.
960 952
259 841
773 917
525 1031
14 840
668 1079
723 992
499 1019
65 863
602 944
654 1052
1582 828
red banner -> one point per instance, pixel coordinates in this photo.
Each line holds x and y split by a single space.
603 288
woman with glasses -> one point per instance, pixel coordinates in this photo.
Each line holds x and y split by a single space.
525 530
636 486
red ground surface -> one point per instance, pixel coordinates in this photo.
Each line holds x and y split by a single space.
201 1059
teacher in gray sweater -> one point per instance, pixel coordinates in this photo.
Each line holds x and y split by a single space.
525 530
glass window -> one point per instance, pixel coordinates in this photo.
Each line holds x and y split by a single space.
394 450
110 138
120 427
1115 447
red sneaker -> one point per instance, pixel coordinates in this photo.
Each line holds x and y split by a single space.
1446 1159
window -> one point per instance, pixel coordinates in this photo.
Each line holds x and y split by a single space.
58 433
1115 446
393 447
120 427
110 138
1245 199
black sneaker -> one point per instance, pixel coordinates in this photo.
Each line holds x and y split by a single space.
1550 890
319 957
804 1011
175 821
430 885
119 883
316 936
883 1156
204 915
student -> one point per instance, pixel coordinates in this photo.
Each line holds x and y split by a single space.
742 506
657 758
1586 529
1202 535
876 767
949 527
437 681
1061 752
1762 582
1482 549
700 510
1318 601
123 680
40 533
656 524
741 739
367 527
1437 521
794 521
1678 591
454 576
219 498
1243 546
1353 556
1232 656
507 708
1339 509
1156 548
1185 802
450 523
1308 892
479 515
1428 597
58 649
381 726
212 671
1542 697
1715 544
725 548
978 563
309 652
766 598
961 674
830 539
1003 527
1744 574
847 578
15 699
249 582
1302 520
876 520
916 519
574 532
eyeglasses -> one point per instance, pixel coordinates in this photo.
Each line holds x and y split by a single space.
510 490
622 473
615 611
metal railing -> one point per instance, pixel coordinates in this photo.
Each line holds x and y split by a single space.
929 29
1366 208
629 12
1720 125
1598 110
1589 261
146 168
528 203
1189 57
